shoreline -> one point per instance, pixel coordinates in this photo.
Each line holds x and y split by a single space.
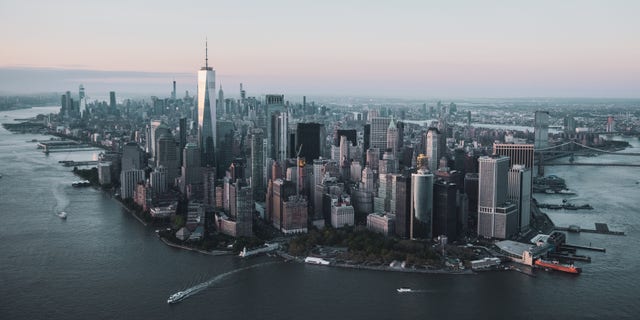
300 260
210 253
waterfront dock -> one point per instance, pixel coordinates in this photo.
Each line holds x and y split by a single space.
69 163
570 256
575 246
601 228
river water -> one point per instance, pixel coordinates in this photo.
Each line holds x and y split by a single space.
101 263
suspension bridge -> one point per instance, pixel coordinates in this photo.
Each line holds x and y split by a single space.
573 149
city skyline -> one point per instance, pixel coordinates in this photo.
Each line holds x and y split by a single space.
426 50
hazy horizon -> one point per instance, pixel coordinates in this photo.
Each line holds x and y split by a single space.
454 49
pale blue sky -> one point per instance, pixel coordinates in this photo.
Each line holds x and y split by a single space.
392 48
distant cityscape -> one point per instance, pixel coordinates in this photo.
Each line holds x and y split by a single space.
260 169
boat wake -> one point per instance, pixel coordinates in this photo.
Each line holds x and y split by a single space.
181 295
409 290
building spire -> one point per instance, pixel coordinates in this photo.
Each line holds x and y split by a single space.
206 53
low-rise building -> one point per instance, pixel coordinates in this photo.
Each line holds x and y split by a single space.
381 223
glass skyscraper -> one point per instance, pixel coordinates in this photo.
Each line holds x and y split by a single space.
207 112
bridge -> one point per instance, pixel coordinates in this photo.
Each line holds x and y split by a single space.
572 149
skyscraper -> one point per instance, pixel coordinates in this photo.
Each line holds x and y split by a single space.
191 169
167 156
392 138
112 102
421 205
445 209
132 157
379 128
258 184
434 152
206 112
517 153
541 129
520 193
220 105
497 218
311 136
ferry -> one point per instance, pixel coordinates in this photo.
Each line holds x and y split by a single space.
314 260
555 265
404 290
83 183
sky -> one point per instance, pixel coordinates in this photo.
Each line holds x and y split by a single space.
415 49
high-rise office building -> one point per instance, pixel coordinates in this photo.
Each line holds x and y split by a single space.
520 193
225 139
220 105
403 204
379 128
421 205
132 156
158 179
112 102
393 138
244 210
151 137
191 168
208 187
128 181
258 183
541 129
206 112
183 137
279 144
517 153
167 156
351 134
81 93
274 107
433 150
445 210
311 136
497 218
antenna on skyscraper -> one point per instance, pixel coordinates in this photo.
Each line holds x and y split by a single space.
206 53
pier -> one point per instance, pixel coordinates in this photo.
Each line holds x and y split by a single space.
574 257
601 228
575 246
69 163
64 146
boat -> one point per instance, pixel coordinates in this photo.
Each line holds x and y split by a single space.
62 215
83 183
566 192
404 290
555 265
176 297
314 260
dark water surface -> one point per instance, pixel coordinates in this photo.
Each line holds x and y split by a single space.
101 263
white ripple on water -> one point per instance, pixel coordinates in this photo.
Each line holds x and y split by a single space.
62 201
201 286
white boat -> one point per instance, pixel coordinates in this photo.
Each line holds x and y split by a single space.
403 290
62 215
176 297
